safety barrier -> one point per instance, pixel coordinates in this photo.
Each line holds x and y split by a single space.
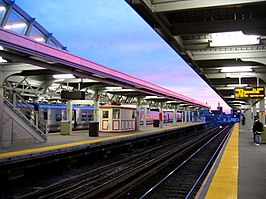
26 112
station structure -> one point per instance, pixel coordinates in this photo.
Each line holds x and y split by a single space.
222 41
36 67
200 31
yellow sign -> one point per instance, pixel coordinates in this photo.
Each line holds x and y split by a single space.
95 112
262 113
247 93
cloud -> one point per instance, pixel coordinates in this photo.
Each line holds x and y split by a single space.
111 33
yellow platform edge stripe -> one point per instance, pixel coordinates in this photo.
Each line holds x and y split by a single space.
225 181
73 144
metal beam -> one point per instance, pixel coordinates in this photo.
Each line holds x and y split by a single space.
227 54
167 6
254 26
232 75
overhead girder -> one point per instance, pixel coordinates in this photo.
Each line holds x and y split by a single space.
238 53
251 26
236 75
158 6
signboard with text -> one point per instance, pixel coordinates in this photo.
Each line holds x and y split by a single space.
249 93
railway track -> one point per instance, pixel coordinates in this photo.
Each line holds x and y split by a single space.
116 179
184 180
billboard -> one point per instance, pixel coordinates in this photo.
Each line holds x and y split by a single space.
249 93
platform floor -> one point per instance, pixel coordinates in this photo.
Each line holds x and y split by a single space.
246 162
78 139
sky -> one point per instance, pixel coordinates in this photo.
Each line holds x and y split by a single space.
111 33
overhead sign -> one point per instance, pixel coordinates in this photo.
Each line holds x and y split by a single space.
249 93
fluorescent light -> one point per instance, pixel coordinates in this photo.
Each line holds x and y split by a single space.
39 39
16 25
113 88
236 69
237 85
63 76
233 39
2 8
54 85
2 60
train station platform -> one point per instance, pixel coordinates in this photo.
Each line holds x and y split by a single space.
239 172
57 143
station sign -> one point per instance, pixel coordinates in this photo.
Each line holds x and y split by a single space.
249 93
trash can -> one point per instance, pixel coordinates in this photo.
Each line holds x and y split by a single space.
65 128
156 123
94 129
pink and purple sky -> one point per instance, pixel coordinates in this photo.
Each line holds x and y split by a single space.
111 33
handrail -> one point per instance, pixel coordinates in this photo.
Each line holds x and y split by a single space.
26 111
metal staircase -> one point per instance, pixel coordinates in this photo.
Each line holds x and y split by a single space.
17 108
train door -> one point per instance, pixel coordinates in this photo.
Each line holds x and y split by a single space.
74 117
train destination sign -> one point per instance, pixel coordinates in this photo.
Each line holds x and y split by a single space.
249 93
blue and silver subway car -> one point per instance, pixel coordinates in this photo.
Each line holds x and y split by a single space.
54 114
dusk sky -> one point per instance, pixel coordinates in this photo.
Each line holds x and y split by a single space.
111 33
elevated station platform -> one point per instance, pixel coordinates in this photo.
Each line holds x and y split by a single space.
239 172
57 143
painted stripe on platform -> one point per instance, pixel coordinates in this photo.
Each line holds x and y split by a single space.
225 181
74 144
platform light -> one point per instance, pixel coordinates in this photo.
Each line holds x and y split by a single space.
2 8
237 85
2 60
63 76
39 39
233 39
16 25
53 85
113 88
236 69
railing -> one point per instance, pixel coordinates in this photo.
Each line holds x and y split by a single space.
26 111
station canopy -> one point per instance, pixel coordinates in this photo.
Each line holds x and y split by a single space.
39 67
223 41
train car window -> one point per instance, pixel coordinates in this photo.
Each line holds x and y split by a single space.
45 115
116 113
58 117
84 118
105 114
90 117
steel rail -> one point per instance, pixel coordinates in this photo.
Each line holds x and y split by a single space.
179 166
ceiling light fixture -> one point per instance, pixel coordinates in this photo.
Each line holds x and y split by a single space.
16 25
236 69
2 60
111 88
2 8
237 85
39 39
63 76
233 39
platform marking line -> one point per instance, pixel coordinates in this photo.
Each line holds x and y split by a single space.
225 181
74 144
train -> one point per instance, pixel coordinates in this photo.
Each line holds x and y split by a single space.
82 115
154 115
